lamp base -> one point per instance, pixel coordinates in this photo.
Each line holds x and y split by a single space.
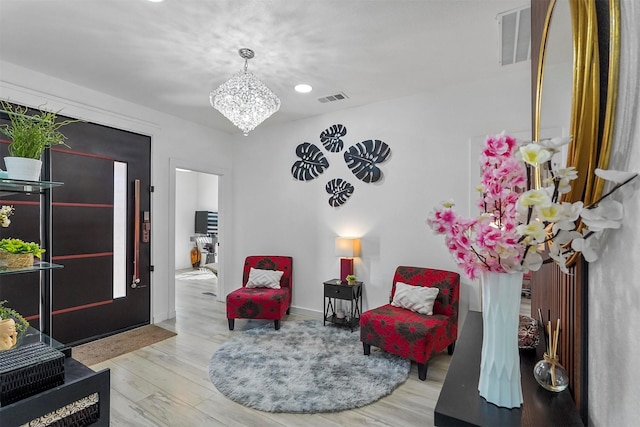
346 268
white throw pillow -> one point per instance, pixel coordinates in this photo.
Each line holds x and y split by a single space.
415 298
264 278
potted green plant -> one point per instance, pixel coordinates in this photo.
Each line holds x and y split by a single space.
12 326
18 253
351 279
30 135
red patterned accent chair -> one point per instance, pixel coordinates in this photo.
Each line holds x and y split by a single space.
409 334
262 302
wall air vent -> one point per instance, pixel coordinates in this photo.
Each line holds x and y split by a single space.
332 98
514 28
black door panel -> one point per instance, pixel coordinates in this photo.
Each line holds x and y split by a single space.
82 227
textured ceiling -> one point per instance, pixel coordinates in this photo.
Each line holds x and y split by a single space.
168 56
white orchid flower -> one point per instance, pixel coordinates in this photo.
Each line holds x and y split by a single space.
565 236
550 213
570 213
557 253
534 229
608 214
564 186
555 143
616 176
589 247
572 210
534 198
534 154
569 173
532 261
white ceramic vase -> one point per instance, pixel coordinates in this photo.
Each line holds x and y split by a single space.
500 360
23 168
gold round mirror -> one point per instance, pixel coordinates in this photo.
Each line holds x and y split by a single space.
595 43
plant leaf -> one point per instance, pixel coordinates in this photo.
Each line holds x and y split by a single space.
363 157
331 138
340 191
311 164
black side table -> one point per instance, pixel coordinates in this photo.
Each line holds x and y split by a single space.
334 290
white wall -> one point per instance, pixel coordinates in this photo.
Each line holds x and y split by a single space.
174 142
428 135
207 192
614 288
185 207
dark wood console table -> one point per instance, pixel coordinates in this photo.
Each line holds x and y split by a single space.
460 403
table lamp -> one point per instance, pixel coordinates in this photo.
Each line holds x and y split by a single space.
347 248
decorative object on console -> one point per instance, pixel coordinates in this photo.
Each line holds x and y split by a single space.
351 279
528 335
30 135
340 191
550 374
243 99
347 248
499 381
363 157
518 218
311 164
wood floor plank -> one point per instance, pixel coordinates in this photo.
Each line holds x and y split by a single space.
125 413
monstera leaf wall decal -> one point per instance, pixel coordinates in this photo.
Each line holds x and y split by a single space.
340 191
331 138
311 164
363 157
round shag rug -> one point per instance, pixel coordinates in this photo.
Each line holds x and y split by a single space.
304 367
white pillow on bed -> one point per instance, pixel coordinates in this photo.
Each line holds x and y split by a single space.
415 298
264 278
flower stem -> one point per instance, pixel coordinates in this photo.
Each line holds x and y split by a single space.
595 204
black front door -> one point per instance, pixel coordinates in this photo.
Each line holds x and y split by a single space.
94 224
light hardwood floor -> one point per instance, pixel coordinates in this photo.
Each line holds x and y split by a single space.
167 384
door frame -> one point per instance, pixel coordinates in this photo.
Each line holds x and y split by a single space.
224 226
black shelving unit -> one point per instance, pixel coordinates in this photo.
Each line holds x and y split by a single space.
80 382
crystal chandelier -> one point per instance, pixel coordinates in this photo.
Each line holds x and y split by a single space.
243 99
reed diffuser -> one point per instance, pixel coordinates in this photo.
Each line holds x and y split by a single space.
549 373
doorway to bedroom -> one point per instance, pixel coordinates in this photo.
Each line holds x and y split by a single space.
196 233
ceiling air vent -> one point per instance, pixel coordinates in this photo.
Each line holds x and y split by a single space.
331 98
514 28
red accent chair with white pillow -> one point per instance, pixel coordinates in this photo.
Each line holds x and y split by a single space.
265 292
398 329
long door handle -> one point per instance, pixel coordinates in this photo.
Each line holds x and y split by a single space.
136 234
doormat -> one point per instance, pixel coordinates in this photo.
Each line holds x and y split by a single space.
107 348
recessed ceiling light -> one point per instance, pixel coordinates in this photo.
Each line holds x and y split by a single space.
155 1
303 88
